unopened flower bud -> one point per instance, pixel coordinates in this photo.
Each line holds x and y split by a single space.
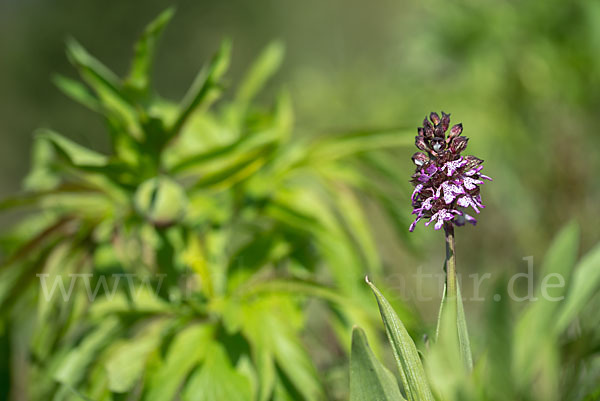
458 144
421 143
472 162
420 158
428 128
455 131
435 118
445 121
439 132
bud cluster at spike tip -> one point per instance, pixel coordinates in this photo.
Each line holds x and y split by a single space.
446 183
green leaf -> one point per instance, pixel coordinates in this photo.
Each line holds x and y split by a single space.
264 67
205 86
238 171
584 285
271 314
445 366
189 348
354 221
77 92
294 361
463 333
126 364
369 379
452 313
440 313
73 152
75 366
217 379
145 49
540 316
499 341
93 71
345 145
116 105
410 366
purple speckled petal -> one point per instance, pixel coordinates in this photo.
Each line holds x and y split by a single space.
414 224
423 178
427 223
451 191
440 217
439 224
454 165
474 171
485 177
466 201
470 219
427 203
418 189
431 169
478 201
470 183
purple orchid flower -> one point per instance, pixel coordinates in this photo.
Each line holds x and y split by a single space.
445 182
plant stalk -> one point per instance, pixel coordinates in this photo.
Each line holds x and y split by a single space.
450 262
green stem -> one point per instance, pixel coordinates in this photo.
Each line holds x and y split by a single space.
450 262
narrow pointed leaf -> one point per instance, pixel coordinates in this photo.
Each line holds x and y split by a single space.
203 89
585 284
77 91
116 106
440 312
264 67
73 152
463 333
145 49
408 360
187 349
540 316
369 379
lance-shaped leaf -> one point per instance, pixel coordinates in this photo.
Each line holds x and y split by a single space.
108 87
463 332
145 48
540 316
187 350
77 91
75 366
348 144
262 69
411 369
205 86
369 379
585 284
217 379
73 152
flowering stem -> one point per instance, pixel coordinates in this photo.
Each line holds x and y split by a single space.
450 261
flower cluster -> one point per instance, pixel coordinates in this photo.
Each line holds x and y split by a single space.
445 182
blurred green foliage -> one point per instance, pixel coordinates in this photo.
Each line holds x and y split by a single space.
179 264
